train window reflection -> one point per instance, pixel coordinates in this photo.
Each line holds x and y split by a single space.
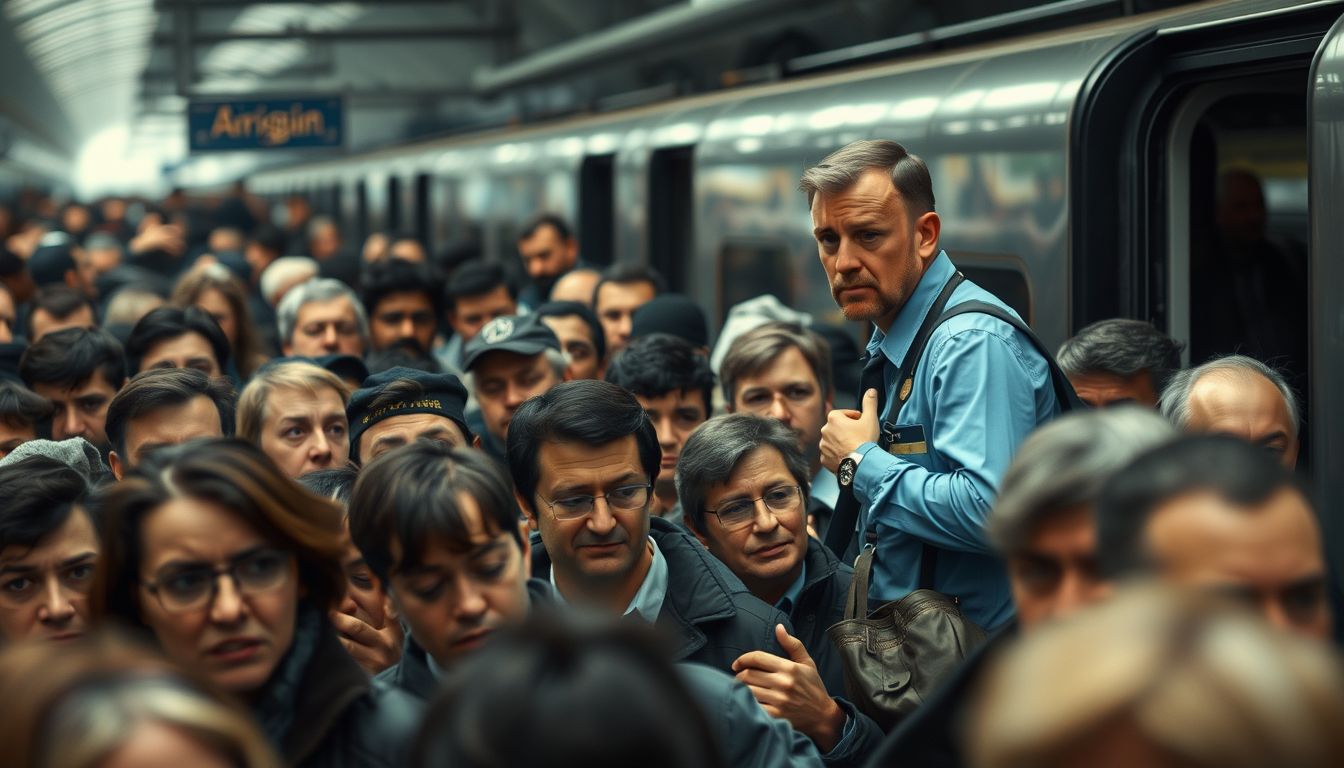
751 267
1001 275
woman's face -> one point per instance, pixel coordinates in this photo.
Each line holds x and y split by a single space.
234 636
212 300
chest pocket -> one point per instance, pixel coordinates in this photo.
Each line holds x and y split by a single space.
904 439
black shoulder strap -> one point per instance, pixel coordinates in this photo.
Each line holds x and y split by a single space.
921 340
1068 399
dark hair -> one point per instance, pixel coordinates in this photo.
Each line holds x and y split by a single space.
475 278
1233 469
159 388
1122 347
575 309
167 323
269 238
653 365
552 220
71 356
388 276
842 169
237 476
39 493
21 407
564 691
625 273
335 483
402 353
714 449
59 301
411 495
590 412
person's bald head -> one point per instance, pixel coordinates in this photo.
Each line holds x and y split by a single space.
1238 396
576 285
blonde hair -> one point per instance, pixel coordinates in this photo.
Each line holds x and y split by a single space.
73 706
1196 678
305 377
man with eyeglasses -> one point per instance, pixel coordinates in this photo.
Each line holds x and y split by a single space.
584 457
743 484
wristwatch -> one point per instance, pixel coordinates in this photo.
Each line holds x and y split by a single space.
847 469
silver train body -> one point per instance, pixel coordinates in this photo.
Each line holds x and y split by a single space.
1061 166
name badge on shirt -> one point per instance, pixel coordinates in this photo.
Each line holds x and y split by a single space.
904 439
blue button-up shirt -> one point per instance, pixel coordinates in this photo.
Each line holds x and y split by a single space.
980 388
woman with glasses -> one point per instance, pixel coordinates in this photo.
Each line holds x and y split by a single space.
232 567
743 481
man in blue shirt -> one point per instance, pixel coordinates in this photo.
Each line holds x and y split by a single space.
924 456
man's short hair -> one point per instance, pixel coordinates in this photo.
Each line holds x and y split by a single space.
713 450
335 483
842 169
159 388
300 375
388 276
71 356
317 289
1241 474
575 309
285 270
412 495
754 351
1122 347
590 412
269 238
1065 463
402 353
166 323
476 278
653 365
39 493
552 220
59 301
1175 400
628 273
21 407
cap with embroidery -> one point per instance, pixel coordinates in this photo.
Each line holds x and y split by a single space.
440 394
519 334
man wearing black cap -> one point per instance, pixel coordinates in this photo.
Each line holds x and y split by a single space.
674 314
512 359
401 405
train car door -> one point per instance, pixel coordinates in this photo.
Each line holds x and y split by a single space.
597 209
671 214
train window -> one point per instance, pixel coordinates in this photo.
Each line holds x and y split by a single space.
421 209
750 267
394 220
597 208
1002 275
671 199
362 211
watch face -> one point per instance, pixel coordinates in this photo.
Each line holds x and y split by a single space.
846 473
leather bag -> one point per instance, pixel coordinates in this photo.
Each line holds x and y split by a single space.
898 655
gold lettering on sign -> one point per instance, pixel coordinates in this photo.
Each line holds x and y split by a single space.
273 128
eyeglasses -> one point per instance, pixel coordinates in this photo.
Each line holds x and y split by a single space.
626 497
740 513
192 587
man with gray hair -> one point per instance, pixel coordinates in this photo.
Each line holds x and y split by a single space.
954 381
1045 527
283 275
322 317
1240 396
1119 361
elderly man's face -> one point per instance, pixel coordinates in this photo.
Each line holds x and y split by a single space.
328 327
1244 405
1055 573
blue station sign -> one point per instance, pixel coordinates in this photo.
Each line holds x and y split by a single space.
265 124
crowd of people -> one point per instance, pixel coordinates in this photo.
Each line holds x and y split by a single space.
268 498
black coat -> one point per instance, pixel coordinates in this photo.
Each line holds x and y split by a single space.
820 605
708 615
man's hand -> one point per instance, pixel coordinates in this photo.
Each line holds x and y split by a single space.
791 689
164 237
374 649
846 429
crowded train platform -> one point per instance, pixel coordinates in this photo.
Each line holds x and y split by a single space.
953 390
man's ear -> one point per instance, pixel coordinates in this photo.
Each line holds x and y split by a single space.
927 228
528 512
117 469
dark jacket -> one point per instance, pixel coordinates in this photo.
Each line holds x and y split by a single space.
321 711
930 735
820 605
708 615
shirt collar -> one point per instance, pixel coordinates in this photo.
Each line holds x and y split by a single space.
790 599
648 600
898 338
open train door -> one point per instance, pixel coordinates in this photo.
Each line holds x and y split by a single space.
1325 112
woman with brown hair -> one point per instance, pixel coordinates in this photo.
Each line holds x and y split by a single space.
215 290
232 567
106 703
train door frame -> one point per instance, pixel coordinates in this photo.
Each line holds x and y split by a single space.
420 210
596 225
671 229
